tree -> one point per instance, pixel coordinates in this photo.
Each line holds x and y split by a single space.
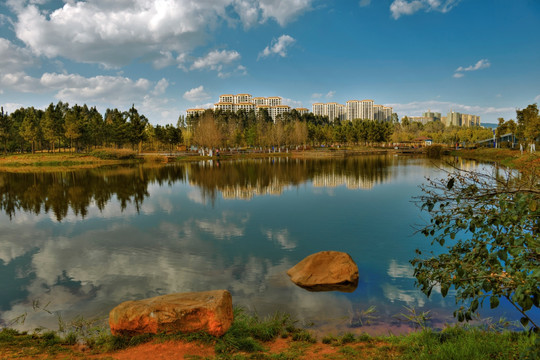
73 132
29 128
491 228
5 128
528 123
207 133
137 125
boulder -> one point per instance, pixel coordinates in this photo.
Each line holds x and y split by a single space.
209 311
326 271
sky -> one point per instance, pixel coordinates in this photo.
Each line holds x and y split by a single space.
480 57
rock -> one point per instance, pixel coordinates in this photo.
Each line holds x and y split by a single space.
326 271
209 311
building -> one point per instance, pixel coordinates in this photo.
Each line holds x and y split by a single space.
353 109
230 102
194 112
451 119
302 111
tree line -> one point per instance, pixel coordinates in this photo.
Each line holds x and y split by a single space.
213 129
80 128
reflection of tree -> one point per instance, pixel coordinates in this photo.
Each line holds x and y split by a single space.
58 192
245 179
77 190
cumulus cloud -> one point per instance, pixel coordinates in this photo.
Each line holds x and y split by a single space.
217 60
481 64
14 58
196 94
115 33
409 7
278 46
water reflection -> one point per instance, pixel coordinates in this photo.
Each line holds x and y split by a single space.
138 231
77 190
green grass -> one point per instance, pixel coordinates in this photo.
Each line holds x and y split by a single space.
249 336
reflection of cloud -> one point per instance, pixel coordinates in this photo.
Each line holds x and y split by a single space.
411 297
282 237
196 197
15 243
90 272
396 270
223 228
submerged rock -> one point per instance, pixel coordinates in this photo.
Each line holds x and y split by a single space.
326 271
209 311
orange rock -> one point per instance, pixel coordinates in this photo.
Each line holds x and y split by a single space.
209 311
326 271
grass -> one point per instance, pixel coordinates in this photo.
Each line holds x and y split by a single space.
250 337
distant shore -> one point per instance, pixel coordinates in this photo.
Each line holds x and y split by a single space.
48 161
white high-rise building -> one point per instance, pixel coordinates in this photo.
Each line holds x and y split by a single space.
246 102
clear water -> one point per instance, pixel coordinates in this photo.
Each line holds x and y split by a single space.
79 243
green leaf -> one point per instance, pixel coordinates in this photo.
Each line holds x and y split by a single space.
493 302
524 321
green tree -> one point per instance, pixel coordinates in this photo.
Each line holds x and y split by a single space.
5 129
489 228
137 125
73 131
29 129
528 123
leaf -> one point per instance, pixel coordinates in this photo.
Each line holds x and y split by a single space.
524 321
493 302
533 205
450 184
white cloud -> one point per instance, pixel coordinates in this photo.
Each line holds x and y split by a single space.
292 103
283 11
217 60
115 33
161 87
278 47
330 94
76 88
480 64
14 58
537 99
364 3
316 95
408 7
196 94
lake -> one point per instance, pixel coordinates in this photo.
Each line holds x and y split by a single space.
78 243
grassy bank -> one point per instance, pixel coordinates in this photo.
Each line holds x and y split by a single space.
507 157
276 337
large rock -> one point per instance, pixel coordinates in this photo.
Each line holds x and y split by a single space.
209 311
326 271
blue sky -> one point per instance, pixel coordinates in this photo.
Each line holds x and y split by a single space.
474 56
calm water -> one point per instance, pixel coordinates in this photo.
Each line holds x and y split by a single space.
82 242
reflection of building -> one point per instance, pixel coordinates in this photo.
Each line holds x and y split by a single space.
335 180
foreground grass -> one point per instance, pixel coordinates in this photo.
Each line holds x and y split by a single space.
251 337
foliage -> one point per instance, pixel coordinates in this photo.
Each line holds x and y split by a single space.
114 154
491 226
528 123
434 151
418 320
